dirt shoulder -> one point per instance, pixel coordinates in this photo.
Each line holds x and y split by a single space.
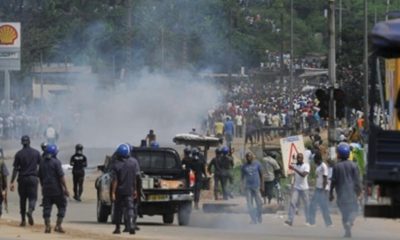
10 230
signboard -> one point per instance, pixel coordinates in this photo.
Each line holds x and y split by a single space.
10 46
290 147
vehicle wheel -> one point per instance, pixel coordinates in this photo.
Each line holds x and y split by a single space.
168 218
184 214
102 212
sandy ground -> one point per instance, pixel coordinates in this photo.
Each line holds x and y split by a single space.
80 222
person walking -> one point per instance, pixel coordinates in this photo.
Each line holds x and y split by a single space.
271 173
54 188
124 187
300 189
79 163
320 197
198 166
346 182
3 186
215 168
25 166
229 129
251 176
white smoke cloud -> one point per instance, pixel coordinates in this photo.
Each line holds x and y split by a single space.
167 104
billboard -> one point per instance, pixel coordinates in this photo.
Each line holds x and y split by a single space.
10 46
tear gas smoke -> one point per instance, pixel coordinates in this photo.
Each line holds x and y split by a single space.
167 104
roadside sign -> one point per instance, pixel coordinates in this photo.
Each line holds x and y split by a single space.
290 147
10 46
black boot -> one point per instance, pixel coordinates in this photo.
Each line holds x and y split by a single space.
117 230
23 222
47 228
30 217
58 228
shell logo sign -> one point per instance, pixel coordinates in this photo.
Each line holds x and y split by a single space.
10 36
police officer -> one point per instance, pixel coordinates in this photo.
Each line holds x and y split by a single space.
54 188
225 164
43 146
124 186
186 161
215 165
198 166
136 201
25 165
78 162
346 182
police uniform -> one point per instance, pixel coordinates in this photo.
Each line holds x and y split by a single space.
50 174
197 165
217 175
224 165
78 163
125 172
26 164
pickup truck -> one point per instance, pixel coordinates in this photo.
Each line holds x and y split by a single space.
164 186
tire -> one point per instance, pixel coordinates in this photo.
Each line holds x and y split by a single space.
168 218
102 212
184 214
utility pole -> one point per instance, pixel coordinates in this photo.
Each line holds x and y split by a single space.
366 71
281 56
230 47
332 73
340 25
291 110
162 49
130 38
41 75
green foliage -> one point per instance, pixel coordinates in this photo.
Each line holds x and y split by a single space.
177 34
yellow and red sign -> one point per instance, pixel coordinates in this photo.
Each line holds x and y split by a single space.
10 36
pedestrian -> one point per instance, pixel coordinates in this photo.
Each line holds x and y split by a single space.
239 125
54 188
124 187
300 189
3 186
79 163
151 137
198 166
229 129
51 134
346 182
251 175
271 174
26 163
219 129
320 197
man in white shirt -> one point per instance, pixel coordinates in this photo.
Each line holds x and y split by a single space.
239 125
300 188
320 197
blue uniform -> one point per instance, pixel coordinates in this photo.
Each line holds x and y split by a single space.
50 174
26 162
125 172
346 181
